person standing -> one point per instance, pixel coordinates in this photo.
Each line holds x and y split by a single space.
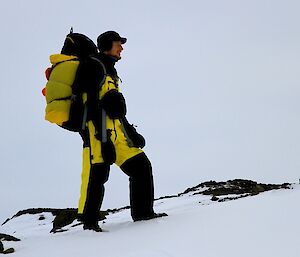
109 138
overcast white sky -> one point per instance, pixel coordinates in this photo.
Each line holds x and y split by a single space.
212 85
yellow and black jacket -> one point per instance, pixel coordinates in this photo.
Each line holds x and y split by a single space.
117 134
103 93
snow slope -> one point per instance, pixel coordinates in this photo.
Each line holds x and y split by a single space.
263 225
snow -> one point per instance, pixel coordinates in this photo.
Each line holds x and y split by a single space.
262 225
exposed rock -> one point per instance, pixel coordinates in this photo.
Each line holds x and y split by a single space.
34 211
214 198
9 250
5 237
42 217
62 217
239 187
67 216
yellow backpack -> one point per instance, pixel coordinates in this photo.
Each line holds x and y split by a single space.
59 88
63 93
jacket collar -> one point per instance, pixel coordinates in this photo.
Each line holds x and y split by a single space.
109 63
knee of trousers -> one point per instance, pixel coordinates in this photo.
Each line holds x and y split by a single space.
136 166
99 173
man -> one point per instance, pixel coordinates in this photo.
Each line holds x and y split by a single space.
109 138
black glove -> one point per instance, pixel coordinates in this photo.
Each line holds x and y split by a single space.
137 139
113 102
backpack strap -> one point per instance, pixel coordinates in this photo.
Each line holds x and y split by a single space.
76 87
102 112
100 123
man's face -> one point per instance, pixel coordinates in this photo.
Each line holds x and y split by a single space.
116 49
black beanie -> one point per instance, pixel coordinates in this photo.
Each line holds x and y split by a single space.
104 41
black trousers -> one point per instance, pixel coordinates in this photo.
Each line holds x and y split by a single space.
139 171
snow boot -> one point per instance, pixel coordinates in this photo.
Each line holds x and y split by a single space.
94 227
153 216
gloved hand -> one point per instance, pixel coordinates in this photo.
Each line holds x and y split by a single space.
137 139
113 102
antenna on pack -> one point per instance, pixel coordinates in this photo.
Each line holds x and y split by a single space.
71 30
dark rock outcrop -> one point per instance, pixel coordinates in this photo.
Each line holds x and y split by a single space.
9 250
238 187
5 237
62 217
234 189
67 216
